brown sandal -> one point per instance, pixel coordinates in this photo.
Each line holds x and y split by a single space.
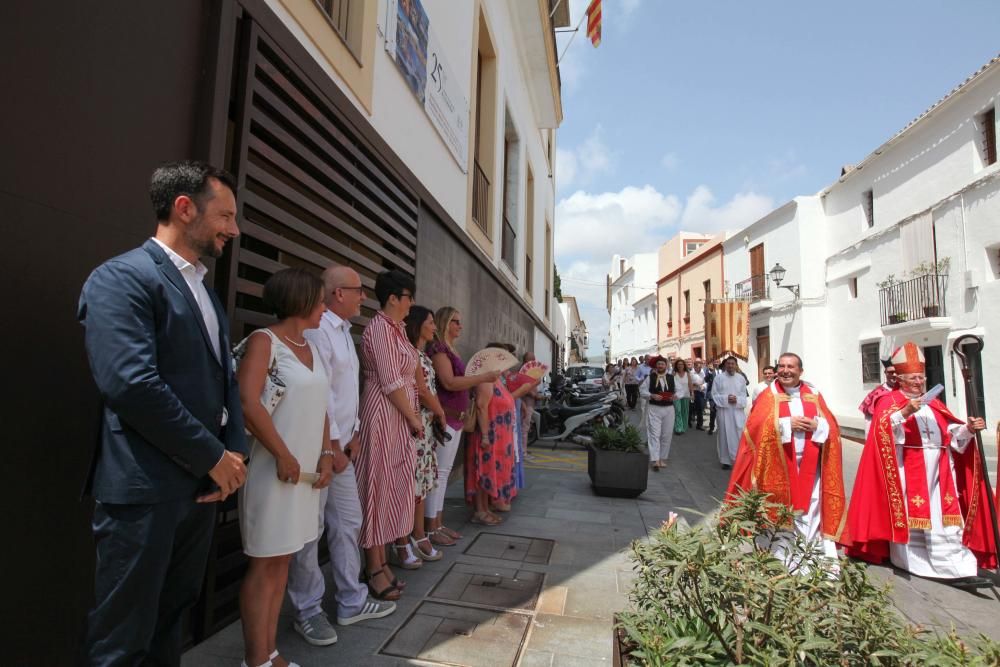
448 532
439 538
388 594
485 519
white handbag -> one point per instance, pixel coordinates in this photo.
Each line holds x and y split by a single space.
274 387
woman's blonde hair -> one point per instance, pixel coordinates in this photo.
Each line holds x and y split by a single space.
441 319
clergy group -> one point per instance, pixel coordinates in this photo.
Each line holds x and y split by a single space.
919 500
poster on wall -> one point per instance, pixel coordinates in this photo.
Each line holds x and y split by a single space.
410 41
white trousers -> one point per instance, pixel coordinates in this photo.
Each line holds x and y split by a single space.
342 515
659 431
434 502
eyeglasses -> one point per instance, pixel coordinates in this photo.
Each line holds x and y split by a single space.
406 295
458 322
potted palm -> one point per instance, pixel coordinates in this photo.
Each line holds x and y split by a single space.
617 462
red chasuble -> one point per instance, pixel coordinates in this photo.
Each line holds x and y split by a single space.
879 514
765 464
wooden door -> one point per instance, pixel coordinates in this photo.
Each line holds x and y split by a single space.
757 276
763 351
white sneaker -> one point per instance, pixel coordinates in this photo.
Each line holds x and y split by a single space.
372 609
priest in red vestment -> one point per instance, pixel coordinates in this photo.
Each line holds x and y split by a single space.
867 406
791 450
919 498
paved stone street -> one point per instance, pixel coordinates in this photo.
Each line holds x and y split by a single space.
542 587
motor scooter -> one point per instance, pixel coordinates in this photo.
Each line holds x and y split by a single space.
555 421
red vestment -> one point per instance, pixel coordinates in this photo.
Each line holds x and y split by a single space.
867 406
765 464
878 510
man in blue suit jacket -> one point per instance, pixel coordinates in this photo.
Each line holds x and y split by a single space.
171 442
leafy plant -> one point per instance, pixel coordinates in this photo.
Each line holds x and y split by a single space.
716 595
932 268
889 281
625 439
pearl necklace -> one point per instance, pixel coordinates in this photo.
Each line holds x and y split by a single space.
302 344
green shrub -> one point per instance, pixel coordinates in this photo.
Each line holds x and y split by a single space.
625 439
715 595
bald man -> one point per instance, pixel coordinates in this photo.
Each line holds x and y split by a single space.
341 507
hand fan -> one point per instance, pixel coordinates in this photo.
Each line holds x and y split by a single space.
535 369
489 360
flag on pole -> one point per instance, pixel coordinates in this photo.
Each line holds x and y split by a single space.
728 329
594 22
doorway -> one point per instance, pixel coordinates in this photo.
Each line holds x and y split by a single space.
934 368
763 350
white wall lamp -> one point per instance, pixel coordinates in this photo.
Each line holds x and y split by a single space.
778 274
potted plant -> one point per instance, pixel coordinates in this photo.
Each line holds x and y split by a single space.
715 594
892 299
617 462
930 286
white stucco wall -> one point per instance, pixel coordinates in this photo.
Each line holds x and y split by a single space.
628 326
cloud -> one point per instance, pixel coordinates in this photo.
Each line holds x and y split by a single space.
592 227
701 214
581 165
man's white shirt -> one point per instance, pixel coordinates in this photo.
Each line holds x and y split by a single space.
340 359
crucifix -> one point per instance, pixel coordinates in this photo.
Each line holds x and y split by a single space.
926 430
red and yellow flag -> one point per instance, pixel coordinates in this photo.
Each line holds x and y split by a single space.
594 22
727 330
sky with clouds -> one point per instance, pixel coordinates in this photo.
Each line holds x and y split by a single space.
703 115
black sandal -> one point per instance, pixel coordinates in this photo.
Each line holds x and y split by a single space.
396 583
390 593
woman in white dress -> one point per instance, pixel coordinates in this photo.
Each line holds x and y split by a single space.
278 514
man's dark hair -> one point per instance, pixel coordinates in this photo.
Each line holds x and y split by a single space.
415 321
792 354
292 293
190 177
393 283
768 368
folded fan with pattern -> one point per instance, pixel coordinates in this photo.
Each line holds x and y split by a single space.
534 369
489 360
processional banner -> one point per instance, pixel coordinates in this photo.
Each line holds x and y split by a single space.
728 329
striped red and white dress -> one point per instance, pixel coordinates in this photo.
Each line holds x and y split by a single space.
387 456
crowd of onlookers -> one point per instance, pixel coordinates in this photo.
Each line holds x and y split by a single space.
312 433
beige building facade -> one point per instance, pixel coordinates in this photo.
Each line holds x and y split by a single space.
691 273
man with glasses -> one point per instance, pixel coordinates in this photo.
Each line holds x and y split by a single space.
867 406
919 496
341 507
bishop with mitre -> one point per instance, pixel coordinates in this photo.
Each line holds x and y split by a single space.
919 498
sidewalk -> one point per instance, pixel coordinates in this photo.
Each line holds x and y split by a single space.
540 590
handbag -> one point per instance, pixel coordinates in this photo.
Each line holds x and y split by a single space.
471 415
274 386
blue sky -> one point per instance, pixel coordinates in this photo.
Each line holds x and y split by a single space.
705 115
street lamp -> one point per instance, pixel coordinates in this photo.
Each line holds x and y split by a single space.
778 274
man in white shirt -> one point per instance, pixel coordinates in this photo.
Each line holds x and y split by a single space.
729 393
768 379
341 507
698 384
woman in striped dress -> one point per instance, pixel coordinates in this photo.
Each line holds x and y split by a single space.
389 420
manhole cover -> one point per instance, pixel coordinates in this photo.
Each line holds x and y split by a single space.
511 547
456 635
506 588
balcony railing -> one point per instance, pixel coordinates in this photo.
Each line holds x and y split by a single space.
913 299
754 288
481 198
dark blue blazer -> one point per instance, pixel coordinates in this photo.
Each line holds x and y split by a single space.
163 387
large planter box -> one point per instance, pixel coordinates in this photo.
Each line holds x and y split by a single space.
617 474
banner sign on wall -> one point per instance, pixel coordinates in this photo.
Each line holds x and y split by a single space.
727 329
412 44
